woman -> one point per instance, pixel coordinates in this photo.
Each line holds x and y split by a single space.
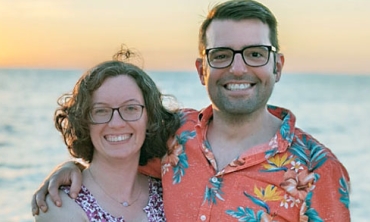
115 120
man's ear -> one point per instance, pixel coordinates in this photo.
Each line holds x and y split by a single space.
278 66
200 69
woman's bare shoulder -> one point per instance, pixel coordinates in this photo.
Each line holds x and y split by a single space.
69 211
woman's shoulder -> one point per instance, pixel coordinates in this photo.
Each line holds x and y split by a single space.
153 181
155 186
69 211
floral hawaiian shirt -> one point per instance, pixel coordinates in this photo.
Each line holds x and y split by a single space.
291 178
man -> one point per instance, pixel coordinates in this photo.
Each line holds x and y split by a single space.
241 159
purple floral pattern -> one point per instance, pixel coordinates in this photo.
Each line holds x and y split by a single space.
154 210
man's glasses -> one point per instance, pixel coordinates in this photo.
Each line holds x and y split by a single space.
254 56
128 113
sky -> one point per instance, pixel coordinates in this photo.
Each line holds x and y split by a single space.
316 36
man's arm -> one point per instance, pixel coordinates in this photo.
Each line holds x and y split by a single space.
152 168
68 173
330 197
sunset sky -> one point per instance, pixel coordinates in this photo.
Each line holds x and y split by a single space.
321 36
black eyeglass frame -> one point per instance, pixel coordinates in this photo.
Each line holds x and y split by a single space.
269 47
119 113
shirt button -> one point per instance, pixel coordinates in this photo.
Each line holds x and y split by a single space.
214 179
203 218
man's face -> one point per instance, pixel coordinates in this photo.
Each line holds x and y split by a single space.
239 88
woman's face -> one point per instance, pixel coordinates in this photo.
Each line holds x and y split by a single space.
118 138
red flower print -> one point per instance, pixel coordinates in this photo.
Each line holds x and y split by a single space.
298 184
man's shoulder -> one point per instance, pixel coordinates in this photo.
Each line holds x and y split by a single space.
189 111
308 140
316 149
189 115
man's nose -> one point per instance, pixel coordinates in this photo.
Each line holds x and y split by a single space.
238 66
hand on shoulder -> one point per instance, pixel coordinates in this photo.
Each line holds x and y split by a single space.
69 211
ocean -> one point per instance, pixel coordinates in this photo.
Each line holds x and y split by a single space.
333 108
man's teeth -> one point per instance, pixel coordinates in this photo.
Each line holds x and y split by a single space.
117 138
237 86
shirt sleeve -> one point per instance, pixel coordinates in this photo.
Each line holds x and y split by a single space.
330 197
152 168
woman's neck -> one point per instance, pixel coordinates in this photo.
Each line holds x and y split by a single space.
122 182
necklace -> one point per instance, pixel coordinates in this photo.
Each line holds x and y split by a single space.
124 203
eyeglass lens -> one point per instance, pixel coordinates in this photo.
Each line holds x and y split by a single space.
131 112
252 56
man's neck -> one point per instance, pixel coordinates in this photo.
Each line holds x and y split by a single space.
246 125
230 137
